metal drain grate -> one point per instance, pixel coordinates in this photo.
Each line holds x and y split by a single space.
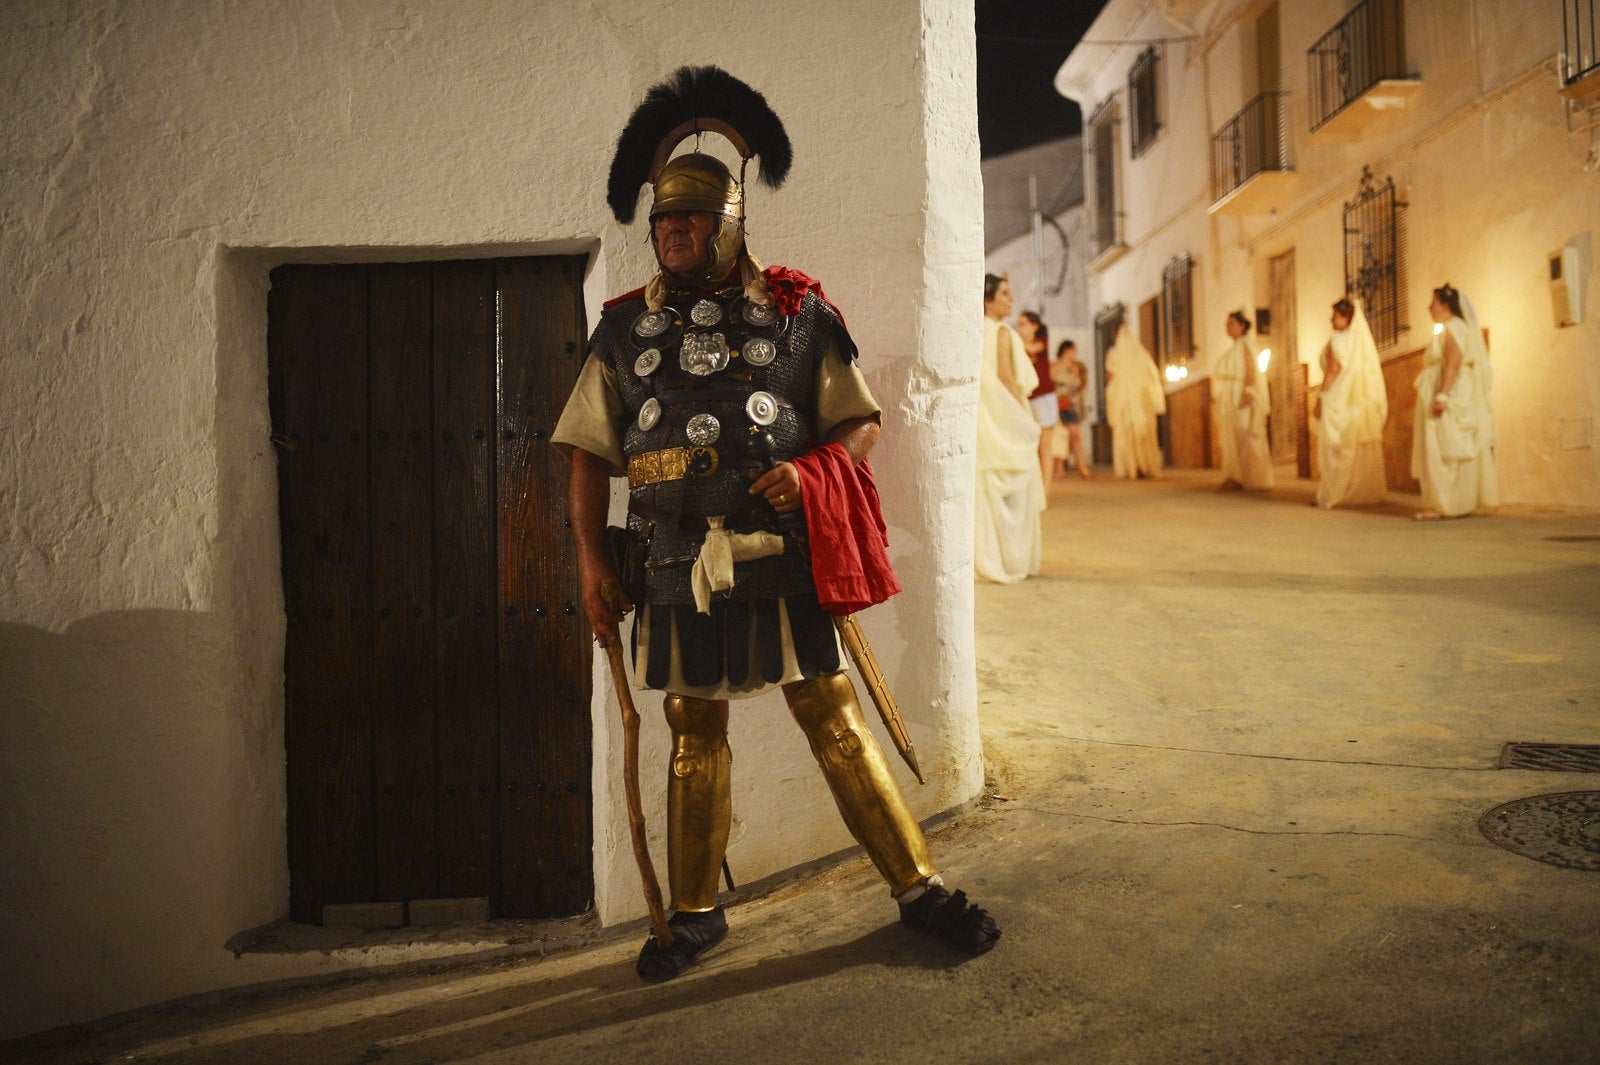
1561 829
1555 757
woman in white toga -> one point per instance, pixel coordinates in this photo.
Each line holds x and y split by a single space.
1452 450
1135 398
1352 407
1009 493
1240 404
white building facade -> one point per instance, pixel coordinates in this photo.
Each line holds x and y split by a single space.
158 170
1269 156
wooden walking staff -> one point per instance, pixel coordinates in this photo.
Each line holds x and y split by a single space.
630 777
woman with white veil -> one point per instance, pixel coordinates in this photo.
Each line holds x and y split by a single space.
1452 451
1009 494
1240 404
1134 398
1352 407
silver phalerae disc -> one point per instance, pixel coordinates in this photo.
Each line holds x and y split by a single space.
646 363
705 313
758 351
652 323
756 314
762 408
649 414
703 429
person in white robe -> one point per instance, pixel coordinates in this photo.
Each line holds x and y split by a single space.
1009 493
1240 404
1453 435
1351 408
1135 397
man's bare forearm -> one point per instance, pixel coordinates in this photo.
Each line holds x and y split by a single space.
588 502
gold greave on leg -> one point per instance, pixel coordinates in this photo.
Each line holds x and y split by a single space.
868 796
699 801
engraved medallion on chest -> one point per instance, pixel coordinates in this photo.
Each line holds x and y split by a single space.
652 324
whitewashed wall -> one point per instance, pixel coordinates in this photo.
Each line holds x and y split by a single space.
1494 179
158 160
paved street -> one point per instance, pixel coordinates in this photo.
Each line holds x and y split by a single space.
1239 752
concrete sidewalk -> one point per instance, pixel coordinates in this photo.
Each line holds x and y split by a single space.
1239 750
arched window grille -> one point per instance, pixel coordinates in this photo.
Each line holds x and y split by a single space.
1374 255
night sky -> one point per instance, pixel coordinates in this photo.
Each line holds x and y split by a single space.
1021 45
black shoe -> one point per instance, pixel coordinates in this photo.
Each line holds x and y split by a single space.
692 935
952 920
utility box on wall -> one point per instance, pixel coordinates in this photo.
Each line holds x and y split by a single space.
1566 286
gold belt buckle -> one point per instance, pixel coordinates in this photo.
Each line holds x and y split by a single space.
702 462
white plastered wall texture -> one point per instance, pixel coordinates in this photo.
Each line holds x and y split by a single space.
159 159
1483 156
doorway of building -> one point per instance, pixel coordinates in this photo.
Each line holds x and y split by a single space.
436 657
1106 324
1282 424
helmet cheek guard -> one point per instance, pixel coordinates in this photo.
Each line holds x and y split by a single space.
698 182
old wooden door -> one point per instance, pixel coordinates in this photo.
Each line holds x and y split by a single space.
1106 324
436 661
1282 423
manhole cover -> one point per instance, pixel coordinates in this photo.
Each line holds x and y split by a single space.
1557 757
1561 829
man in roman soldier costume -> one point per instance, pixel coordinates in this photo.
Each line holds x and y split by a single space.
728 395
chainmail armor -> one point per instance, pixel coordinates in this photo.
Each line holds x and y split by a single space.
801 343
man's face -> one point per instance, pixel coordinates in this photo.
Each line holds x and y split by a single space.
681 239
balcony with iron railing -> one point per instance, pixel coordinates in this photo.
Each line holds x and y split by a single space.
1358 71
1250 167
1580 56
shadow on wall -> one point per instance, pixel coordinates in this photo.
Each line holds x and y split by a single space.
128 812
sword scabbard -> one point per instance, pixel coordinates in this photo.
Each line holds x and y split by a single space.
855 642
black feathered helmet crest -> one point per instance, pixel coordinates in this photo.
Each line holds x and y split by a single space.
696 100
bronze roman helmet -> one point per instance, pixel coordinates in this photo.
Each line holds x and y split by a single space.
694 101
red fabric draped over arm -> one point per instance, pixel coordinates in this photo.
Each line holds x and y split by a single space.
844 522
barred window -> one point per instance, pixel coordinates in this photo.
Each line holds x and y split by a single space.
1374 256
1143 107
1107 222
1177 297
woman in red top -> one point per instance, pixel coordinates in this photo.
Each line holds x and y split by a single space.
1036 338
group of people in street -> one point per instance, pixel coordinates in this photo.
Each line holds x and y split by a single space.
1031 407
